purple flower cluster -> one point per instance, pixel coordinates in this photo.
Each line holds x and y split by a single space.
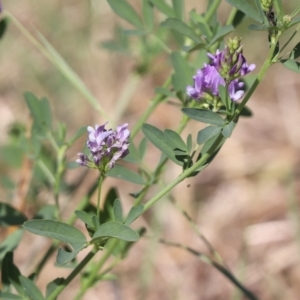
208 79
225 68
106 147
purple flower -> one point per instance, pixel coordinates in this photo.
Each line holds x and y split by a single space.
235 90
106 147
225 68
230 65
207 80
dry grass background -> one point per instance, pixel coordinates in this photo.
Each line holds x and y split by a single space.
247 201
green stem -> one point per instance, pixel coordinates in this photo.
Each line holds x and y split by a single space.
185 174
95 269
231 16
153 104
212 9
99 196
60 165
73 274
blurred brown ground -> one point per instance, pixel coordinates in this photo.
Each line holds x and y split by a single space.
246 202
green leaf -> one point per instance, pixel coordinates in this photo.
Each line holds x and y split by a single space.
9 296
228 128
10 274
294 21
132 32
178 6
107 214
205 116
189 143
223 94
47 212
181 27
291 65
164 8
156 137
210 142
221 33
10 243
207 133
31 289
126 12
121 172
85 217
201 23
51 286
192 48
11 155
118 213
247 9
183 72
63 257
40 111
165 92
115 230
148 15
142 148
3 27
133 156
134 213
257 27
9 216
174 140
238 18
295 52
56 230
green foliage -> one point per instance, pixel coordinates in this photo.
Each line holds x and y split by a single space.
291 65
182 28
10 243
221 34
118 213
203 115
157 137
9 216
9 296
164 8
109 228
134 213
11 274
124 173
247 9
41 113
61 232
183 72
3 27
51 286
114 230
31 289
148 14
126 12
207 133
228 129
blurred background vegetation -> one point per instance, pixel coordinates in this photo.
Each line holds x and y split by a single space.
246 203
